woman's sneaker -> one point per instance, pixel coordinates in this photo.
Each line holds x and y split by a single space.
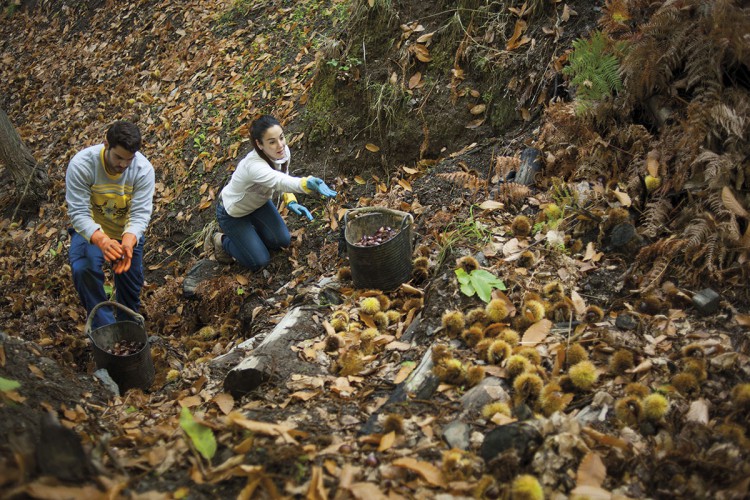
219 252
212 243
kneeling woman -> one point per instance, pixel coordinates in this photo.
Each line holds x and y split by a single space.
251 225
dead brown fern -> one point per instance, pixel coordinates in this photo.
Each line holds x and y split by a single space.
467 180
655 219
615 16
511 193
657 257
698 231
505 165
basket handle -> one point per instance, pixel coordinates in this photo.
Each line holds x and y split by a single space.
408 217
138 318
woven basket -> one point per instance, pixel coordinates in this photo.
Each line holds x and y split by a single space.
384 266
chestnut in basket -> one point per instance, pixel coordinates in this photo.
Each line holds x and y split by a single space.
125 348
383 234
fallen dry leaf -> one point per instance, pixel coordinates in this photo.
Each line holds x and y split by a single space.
591 253
190 401
623 198
304 395
425 38
387 441
415 80
404 184
591 493
740 319
516 39
422 52
643 367
606 439
262 427
478 109
224 401
698 412
591 471
491 205
429 472
316 490
366 491
578 303
652 163
403 373
536 333
732 204
36 371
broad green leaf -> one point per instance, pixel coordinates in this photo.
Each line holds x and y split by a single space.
202 436
467 289
8 384
463 278
484 290
480 282
488 278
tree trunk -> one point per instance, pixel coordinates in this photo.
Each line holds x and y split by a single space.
30 179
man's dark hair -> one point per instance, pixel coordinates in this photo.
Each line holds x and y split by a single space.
125 134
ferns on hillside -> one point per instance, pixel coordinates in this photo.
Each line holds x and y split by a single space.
594 71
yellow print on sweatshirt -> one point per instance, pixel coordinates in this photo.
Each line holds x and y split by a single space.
110 207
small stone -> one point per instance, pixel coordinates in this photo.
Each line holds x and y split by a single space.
103 375
202 270
531 164
706 301
626 321
519 436
456 434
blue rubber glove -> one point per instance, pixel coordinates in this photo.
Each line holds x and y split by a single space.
320 187
299 210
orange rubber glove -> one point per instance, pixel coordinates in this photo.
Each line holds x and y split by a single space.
129 241
110 248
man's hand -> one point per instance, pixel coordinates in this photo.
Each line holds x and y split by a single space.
111 249
129 241
299 210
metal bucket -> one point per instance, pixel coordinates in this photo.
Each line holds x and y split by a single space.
384 266
131 371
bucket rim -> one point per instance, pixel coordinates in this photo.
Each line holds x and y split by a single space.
146 344
407 221
138 318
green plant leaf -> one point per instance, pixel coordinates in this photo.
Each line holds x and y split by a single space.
467 289
7 384
480 282
484 290
202 437
463 278
487 277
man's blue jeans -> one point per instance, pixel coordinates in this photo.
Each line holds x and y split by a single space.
251 238
87 262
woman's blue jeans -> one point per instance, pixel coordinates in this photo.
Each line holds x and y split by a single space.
251 238
87 263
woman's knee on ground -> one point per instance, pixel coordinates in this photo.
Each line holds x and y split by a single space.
280 241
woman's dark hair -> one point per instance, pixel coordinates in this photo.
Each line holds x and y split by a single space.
258 128
125 134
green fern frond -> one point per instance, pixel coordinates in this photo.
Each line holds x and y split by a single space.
594 71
